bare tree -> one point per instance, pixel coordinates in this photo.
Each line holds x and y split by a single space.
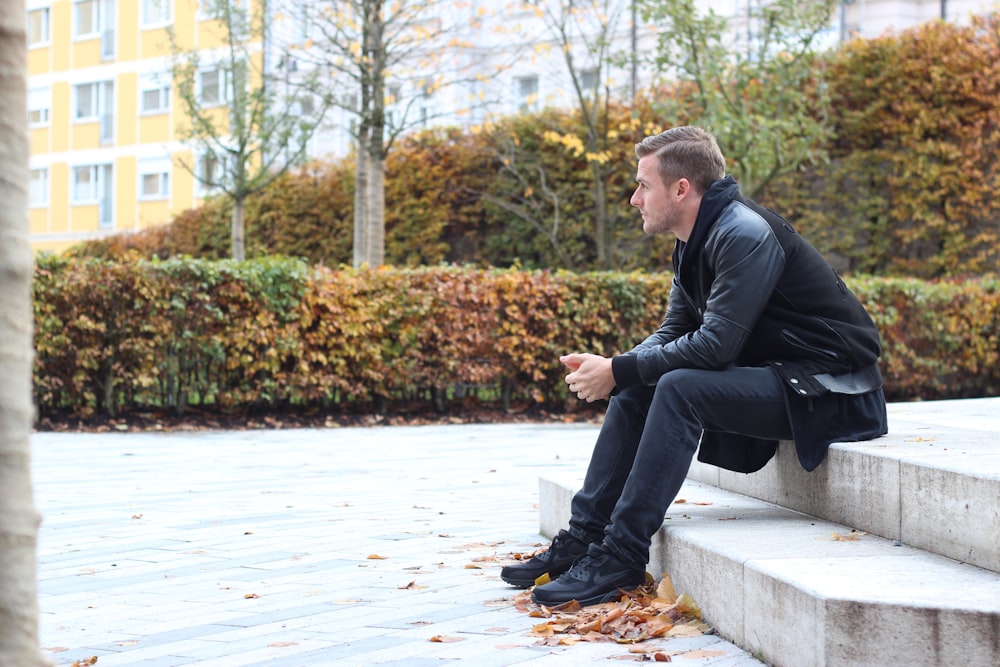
383 63
246 128
19 519
587 34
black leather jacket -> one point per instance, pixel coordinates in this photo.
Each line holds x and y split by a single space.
749 291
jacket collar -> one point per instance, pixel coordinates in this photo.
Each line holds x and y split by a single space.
718 196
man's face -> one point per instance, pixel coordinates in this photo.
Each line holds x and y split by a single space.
655 200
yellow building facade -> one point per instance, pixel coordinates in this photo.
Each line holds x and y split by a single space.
103 115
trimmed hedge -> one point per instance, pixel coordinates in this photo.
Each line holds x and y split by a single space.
138 335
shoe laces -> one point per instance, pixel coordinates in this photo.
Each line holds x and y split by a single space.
582 568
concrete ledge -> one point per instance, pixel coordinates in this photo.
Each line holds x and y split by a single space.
932 483
781 584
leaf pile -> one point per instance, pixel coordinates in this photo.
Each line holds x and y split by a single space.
648 612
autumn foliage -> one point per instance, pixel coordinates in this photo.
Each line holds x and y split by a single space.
912 186
126 336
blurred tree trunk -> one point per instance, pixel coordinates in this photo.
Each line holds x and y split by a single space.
19 520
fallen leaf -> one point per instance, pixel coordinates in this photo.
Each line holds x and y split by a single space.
282 644
648 612
251 596
666 590
853 536
375 557
412 586
702 653
446 640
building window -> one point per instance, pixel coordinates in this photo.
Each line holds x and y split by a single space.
38 190
38 26
154 179
85 185
211 86
588 81
154 96
527 93
87 96
209 172
96 102
92 184
87 14
155 12
39 102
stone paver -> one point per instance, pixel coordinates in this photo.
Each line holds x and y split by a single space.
351 546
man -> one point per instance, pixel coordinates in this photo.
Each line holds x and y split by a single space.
761 342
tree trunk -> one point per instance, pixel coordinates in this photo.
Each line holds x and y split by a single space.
376 212
361 203
19 519
238 232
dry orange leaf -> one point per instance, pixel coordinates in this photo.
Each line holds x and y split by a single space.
853 536
375 557
702 653
441 639
250 596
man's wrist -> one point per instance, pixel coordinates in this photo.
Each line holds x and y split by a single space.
625 369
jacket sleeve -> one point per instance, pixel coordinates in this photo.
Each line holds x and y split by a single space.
679 320
747 262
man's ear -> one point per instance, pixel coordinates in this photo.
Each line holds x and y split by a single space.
682 188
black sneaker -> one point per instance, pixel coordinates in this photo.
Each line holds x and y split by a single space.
555 560
597 577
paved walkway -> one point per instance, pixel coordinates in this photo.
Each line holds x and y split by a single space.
303 547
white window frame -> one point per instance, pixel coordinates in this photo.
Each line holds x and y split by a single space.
102 107
99 190
93 112
526 102
154 83
40 103
157 171
155 13
95 20
200 168
84 193
38 188
44 16
222 94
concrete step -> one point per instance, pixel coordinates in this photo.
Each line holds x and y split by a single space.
932 483
797 591
887 554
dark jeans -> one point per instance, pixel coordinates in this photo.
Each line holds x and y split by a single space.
645 447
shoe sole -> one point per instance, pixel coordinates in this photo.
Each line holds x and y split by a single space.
518 583
613 596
